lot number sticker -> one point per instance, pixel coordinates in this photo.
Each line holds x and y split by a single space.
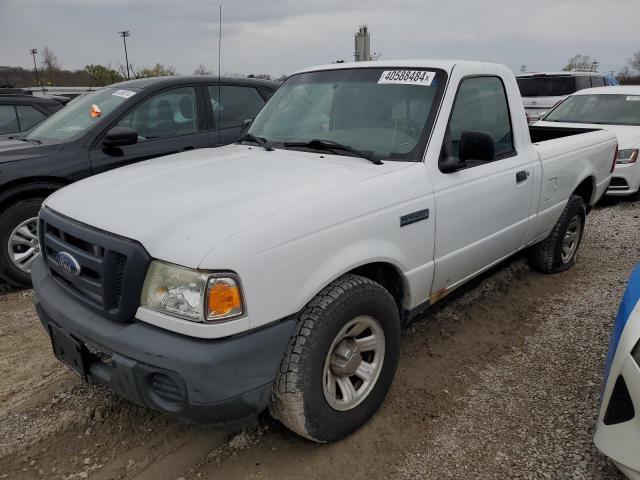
633 98
124 93
407 77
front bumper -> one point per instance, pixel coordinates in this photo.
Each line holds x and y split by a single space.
625 179
218 381
618 428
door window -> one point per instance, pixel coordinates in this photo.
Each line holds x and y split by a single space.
29 116
234 104
166 114
481 106
597 81
8 119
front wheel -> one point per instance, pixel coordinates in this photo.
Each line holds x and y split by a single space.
340 361
557 252
19 241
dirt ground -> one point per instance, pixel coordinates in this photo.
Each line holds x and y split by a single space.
501 381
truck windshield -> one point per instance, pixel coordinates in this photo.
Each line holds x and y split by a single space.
385 112
79 115
548 86
600 109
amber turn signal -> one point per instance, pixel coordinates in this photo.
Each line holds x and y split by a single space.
224 299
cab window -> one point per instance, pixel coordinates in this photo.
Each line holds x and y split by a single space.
481 107
167 114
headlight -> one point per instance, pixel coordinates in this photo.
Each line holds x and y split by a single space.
192 294
627 156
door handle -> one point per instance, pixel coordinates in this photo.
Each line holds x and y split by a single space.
186 149
521 176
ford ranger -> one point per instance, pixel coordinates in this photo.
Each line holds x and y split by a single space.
277 272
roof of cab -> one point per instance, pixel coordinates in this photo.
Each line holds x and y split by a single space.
446 65
569 73
140 83
619 90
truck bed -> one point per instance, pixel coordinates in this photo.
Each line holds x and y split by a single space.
542 134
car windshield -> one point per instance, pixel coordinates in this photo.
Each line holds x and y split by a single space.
386 113
600 109
79 115
548 86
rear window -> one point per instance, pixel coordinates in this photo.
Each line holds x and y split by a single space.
547 86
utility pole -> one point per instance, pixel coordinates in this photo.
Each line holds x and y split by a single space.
124 34
523 68
34 52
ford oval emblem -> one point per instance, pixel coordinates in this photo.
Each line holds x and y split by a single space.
68 263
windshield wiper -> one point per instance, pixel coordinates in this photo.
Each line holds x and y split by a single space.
318 144
260 141
31 140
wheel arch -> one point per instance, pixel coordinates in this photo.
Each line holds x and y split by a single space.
31 187
586 189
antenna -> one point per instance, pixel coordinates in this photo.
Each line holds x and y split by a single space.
219 75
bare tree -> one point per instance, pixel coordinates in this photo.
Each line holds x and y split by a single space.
581 62
201 70
50 61
634 61
158 70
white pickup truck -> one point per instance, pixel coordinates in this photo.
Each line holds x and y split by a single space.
277 272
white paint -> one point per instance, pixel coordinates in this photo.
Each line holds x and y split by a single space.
290 222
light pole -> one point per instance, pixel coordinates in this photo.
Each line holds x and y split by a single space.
124 34
34 52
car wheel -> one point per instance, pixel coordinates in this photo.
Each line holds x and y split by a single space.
557 252
340 361
19 241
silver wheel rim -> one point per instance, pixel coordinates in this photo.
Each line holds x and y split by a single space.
353 363
23 245
571 238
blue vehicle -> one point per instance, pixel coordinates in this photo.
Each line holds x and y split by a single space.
618 430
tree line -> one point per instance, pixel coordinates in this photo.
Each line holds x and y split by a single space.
51 73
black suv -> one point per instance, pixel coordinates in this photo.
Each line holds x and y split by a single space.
124 123
20 111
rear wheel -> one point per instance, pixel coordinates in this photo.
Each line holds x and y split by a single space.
340 361
19 241
557 252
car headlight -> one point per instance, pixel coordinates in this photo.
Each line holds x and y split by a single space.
627 156
192 294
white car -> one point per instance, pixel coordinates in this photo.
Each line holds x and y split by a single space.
617 109
618 430
542 91
277 272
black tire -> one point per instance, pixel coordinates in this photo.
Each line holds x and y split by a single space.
298 399
546 256
13 216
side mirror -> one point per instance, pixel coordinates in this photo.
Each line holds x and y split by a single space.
246 123
450 164
541 115
120 137
476 146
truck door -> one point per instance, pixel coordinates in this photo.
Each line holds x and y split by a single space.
482 209
167 122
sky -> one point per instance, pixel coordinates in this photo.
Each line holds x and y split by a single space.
281 36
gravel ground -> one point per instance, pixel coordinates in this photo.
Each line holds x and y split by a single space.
532 413
501 381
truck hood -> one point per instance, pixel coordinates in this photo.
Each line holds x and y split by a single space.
628 135
181 206
13 150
